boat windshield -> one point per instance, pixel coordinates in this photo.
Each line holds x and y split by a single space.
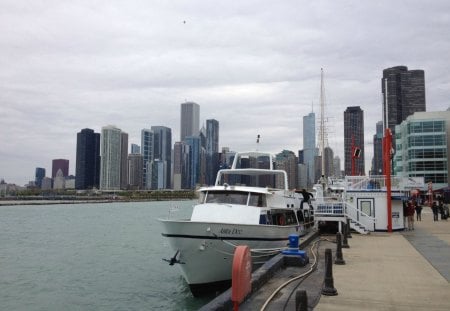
227 197
236 197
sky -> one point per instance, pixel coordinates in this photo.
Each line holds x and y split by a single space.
252 65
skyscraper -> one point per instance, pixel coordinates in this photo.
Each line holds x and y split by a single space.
180 166
194 166
38 176
354 140
309 145
212 150
124 160
377 161
62 164
87 169
190 120
135 149
162 154
147 154
135 171
111 158
404 95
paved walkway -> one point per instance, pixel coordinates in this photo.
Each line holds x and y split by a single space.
397 271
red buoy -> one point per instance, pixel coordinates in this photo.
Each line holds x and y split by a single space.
241 275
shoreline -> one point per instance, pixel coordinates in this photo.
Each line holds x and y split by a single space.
81 201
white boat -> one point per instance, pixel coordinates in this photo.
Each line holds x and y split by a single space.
250 204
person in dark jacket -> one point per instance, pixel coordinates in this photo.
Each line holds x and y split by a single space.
306 197
435 210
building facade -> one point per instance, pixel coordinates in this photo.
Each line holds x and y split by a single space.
135 171
309 146
162 157
212 150
354 140
60 164
87 168
111 158
147 145
38 176
190 120
423 147
377 160
403 93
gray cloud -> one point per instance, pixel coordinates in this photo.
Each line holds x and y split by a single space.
253 66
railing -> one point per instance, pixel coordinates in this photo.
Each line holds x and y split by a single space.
379 182
360 217
333 208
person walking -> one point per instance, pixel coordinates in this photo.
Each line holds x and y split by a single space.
306 197
410 215
435 210
418 209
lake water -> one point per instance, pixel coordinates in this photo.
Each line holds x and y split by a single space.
90 257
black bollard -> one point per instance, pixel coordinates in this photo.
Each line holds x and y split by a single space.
301 300
344 241
328 284
339 260
349 234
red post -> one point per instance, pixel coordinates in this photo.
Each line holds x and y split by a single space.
387 146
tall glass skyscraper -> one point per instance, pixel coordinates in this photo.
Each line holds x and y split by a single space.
147 145
162 153
403 94
39 175
354 138
309 146
194 169
190 120
377 161
87 169
111 145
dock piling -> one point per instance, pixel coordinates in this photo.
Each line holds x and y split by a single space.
328 285
339 258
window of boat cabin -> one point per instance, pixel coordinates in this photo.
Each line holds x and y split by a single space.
227 197
257 199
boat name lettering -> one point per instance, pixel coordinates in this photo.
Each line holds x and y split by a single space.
230 231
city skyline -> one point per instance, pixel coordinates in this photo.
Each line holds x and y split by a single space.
66 67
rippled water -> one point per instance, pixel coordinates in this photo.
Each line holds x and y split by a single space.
89 257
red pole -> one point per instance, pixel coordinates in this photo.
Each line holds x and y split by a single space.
387 172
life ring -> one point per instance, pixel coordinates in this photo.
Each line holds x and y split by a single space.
281 220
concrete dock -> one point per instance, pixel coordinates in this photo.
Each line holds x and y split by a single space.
407 270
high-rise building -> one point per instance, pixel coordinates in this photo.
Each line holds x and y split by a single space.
287 161
135 171
309 146
194 167
377 161
38 176
423 148
135 149
403 94
124 161
147 145
62 164
87 169
337 167
190 120
111 158
329 163
212 150
354 140
162 155
181 166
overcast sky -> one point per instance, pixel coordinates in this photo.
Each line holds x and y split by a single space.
252 65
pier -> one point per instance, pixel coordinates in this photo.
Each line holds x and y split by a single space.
408 270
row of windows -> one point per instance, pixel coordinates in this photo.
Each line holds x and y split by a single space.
440 153
427 166
426 127
440 178
431 140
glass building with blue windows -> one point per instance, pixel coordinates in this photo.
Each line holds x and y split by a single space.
422 147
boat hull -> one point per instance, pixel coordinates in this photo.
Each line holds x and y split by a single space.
205 250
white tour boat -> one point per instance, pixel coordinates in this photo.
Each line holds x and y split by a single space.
250 204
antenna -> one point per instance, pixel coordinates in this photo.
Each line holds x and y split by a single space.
257 141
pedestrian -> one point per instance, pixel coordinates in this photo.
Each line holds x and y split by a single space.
435 210
410 215
446 212
441 208
418 209
306 197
